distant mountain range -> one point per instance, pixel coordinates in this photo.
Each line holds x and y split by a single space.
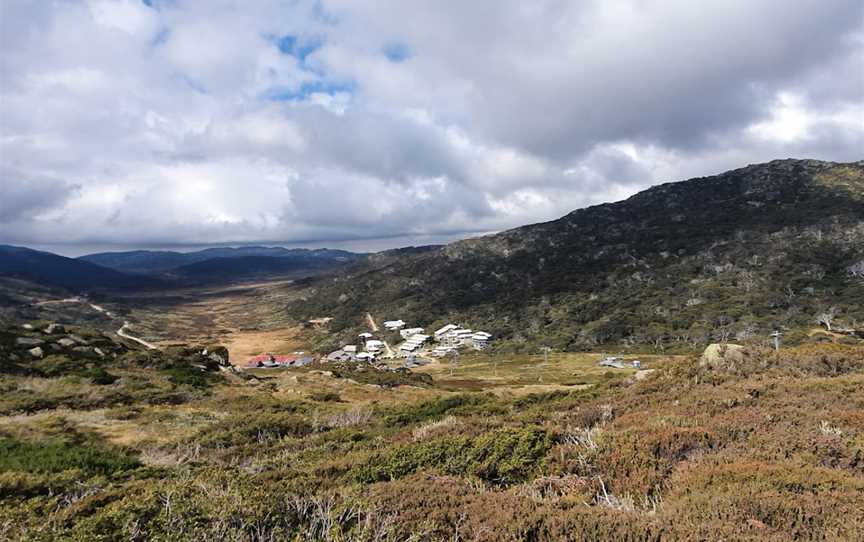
59 271
728 257
149 262
149 269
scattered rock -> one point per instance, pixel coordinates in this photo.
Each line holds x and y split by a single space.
99 352
79 340
27 341
83 349
54 328
27 326
67 342
36 352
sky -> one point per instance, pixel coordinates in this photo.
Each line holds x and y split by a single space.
374 124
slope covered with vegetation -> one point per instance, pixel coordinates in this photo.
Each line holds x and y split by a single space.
764 446
734 256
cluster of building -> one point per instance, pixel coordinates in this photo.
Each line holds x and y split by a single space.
452 336
367 349
272 361
449 338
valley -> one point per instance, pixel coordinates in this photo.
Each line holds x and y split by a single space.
628 388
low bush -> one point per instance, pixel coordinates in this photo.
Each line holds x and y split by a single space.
502 457
435 409
58 456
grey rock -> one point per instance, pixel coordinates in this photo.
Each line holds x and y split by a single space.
79 340
36 352
67 342
27 341
27 326
54 328
99 352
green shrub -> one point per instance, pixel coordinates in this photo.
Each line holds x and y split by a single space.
57 456
99 376
504 457
434 409
185 375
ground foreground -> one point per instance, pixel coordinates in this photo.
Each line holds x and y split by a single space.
170 445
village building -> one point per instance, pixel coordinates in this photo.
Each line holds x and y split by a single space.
480 340
393 325
406 333
442 333
350 348
366 356
441 351
457 337
374 346
340 355
269 361
364 337
413 343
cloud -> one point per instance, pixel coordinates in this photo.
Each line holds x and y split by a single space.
152 123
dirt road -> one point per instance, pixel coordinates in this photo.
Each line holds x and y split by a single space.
122 332
372 325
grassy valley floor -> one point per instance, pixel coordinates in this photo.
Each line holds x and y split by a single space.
763 447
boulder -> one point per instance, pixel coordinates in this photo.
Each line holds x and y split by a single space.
54 328
722 356
77 339
67 342
27 341
99 352
36 352
27 326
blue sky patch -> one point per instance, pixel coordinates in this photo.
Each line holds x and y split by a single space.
311 87
397 52
298 48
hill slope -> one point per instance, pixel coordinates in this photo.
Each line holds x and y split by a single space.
730 256
52 270
155 262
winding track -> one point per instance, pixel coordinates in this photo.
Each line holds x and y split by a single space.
120 332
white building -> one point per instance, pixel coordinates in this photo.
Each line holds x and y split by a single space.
366 356
350 348
480 340
405 333
441 333
413 343
374 346
393 325
457 337
441 351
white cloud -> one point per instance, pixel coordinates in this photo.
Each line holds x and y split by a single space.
174 122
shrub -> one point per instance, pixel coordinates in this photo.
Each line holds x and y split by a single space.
57 456
504 457
435 409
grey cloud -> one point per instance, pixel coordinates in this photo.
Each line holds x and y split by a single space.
24 196
506 112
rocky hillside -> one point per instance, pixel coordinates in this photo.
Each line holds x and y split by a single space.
732 256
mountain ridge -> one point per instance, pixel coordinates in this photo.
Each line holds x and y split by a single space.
559 281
